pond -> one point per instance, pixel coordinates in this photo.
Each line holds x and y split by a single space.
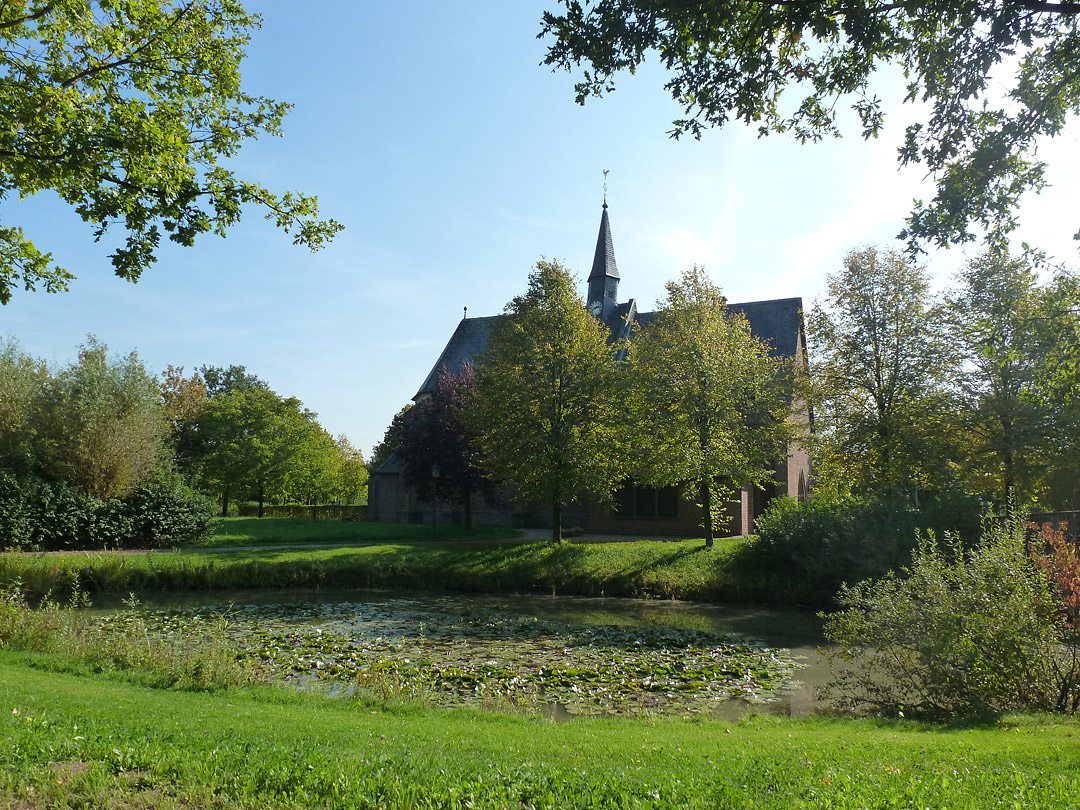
561 656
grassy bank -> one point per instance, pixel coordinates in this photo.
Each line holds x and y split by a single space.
71 740
251 531
679 569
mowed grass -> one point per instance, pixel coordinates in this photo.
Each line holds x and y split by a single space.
250 531
668 569
75 741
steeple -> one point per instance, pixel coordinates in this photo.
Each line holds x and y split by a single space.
604 278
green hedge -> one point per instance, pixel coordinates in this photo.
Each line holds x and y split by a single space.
327 512
48 515
810 548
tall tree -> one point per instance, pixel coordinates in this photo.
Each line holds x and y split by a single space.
351 484
391 440
221 380
708 401
993 77
880 367
129 111
250 442
1057 385
183 398
547 413
313 473
436 435
991 319
100 424
21 379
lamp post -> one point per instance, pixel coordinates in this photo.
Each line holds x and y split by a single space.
434 495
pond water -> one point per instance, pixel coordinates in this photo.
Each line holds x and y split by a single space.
562 656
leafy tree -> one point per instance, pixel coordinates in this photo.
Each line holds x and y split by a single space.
220 380
99 423
351 483
1057 385
21 378
708 400
183 398
250 442
127 110
879 368
313 472
991 325
436 432
390 442
733 61
547 412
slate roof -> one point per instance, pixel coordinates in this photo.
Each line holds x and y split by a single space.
468 342
392 466
777 322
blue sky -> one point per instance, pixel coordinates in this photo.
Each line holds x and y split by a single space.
455 162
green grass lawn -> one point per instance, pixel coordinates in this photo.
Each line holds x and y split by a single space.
70 740
250 531
668 569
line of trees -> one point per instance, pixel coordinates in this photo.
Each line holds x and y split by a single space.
101 452
971 391
238 439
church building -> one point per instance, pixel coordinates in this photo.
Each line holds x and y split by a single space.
639 509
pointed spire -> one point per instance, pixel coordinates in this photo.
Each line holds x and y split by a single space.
604 257
604 278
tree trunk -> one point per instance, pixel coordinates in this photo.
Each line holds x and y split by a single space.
225 502
556 521
468 508
314 508
706 506
1010 480
261 498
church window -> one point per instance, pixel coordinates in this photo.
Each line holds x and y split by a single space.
637 501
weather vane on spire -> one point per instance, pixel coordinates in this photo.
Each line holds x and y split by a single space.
605 188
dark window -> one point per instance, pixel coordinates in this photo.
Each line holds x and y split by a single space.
667 502
637 501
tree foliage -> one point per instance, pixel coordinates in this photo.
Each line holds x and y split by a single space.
708 401
436 431
961 632
128 111
250 442
1057 386
994 77
21 378
99 424
992 324
879 371
390 441
546 410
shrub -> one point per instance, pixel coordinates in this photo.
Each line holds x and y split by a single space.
812 547
963 631
50 515
166 512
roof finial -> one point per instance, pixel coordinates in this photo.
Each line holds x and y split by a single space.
465 314
605 188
